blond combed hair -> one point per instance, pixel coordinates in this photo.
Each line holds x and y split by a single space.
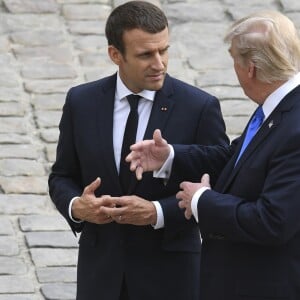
269 40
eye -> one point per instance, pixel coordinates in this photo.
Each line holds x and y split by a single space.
145 55
163 51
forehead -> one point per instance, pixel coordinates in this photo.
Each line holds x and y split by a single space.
137 38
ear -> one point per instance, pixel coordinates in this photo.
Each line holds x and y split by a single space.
114 54
251 70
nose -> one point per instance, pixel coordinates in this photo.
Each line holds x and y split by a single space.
158 62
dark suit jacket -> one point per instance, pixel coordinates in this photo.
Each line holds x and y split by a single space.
250 222
158 264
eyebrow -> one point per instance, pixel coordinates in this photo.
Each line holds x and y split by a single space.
151 51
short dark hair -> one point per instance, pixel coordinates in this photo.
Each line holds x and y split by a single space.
133 15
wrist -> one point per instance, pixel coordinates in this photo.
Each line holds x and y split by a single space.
154 218
74 209
158 221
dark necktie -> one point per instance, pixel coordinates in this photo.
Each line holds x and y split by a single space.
254 125
129 138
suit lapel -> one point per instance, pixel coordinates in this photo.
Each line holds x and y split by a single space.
260 136
270 125
161 109
105 112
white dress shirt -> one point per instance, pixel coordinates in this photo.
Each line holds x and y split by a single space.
121 112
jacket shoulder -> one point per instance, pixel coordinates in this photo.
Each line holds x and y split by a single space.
93 87
180 86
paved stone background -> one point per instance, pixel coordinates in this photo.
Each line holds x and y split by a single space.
47 46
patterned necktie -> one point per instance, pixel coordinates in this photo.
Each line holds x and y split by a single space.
129 138
254 125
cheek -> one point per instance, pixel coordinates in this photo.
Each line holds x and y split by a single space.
165 59
236 68
131 70
236 73
239 73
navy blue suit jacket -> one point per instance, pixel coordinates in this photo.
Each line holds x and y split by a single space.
250 221
158 264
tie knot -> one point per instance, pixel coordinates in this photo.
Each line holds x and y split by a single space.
254 125
133 101
258 118
260 113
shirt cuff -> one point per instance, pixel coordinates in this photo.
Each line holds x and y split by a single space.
70 211
195 199
160 222
165 171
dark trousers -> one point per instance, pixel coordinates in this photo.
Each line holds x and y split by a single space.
124 291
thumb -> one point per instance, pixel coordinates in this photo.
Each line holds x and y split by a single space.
92 186
205 179
157 137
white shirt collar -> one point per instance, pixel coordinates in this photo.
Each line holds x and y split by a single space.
122 91
275 98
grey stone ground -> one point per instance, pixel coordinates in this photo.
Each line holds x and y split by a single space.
47 46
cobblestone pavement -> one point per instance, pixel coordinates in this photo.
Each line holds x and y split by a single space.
47 46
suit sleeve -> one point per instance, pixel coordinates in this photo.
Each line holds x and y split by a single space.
264 208
64 179
210 131
209 154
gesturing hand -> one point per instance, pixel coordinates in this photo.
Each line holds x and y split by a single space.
148 155
87 207
188 189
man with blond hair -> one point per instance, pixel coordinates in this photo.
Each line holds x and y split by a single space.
249 220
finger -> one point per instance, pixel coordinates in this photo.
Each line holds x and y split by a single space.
119 219
107 200
179 195
157 137
205 179
182 185
134 163
139 173
92 186
187 214
112 211
137 148
131 157
108 211
107 219
181 204
121 201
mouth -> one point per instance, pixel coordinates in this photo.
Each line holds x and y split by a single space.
157 77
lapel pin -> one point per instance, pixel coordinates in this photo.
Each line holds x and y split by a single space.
163 108
270 124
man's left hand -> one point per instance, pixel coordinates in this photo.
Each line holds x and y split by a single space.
188 189
132 210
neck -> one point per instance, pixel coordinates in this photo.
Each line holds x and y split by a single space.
264 90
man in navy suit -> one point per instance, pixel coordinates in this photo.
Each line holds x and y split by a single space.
249 221
135 243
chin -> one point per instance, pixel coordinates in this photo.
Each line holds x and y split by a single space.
156 86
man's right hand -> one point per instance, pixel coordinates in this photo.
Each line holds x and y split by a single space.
148 155
87 207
